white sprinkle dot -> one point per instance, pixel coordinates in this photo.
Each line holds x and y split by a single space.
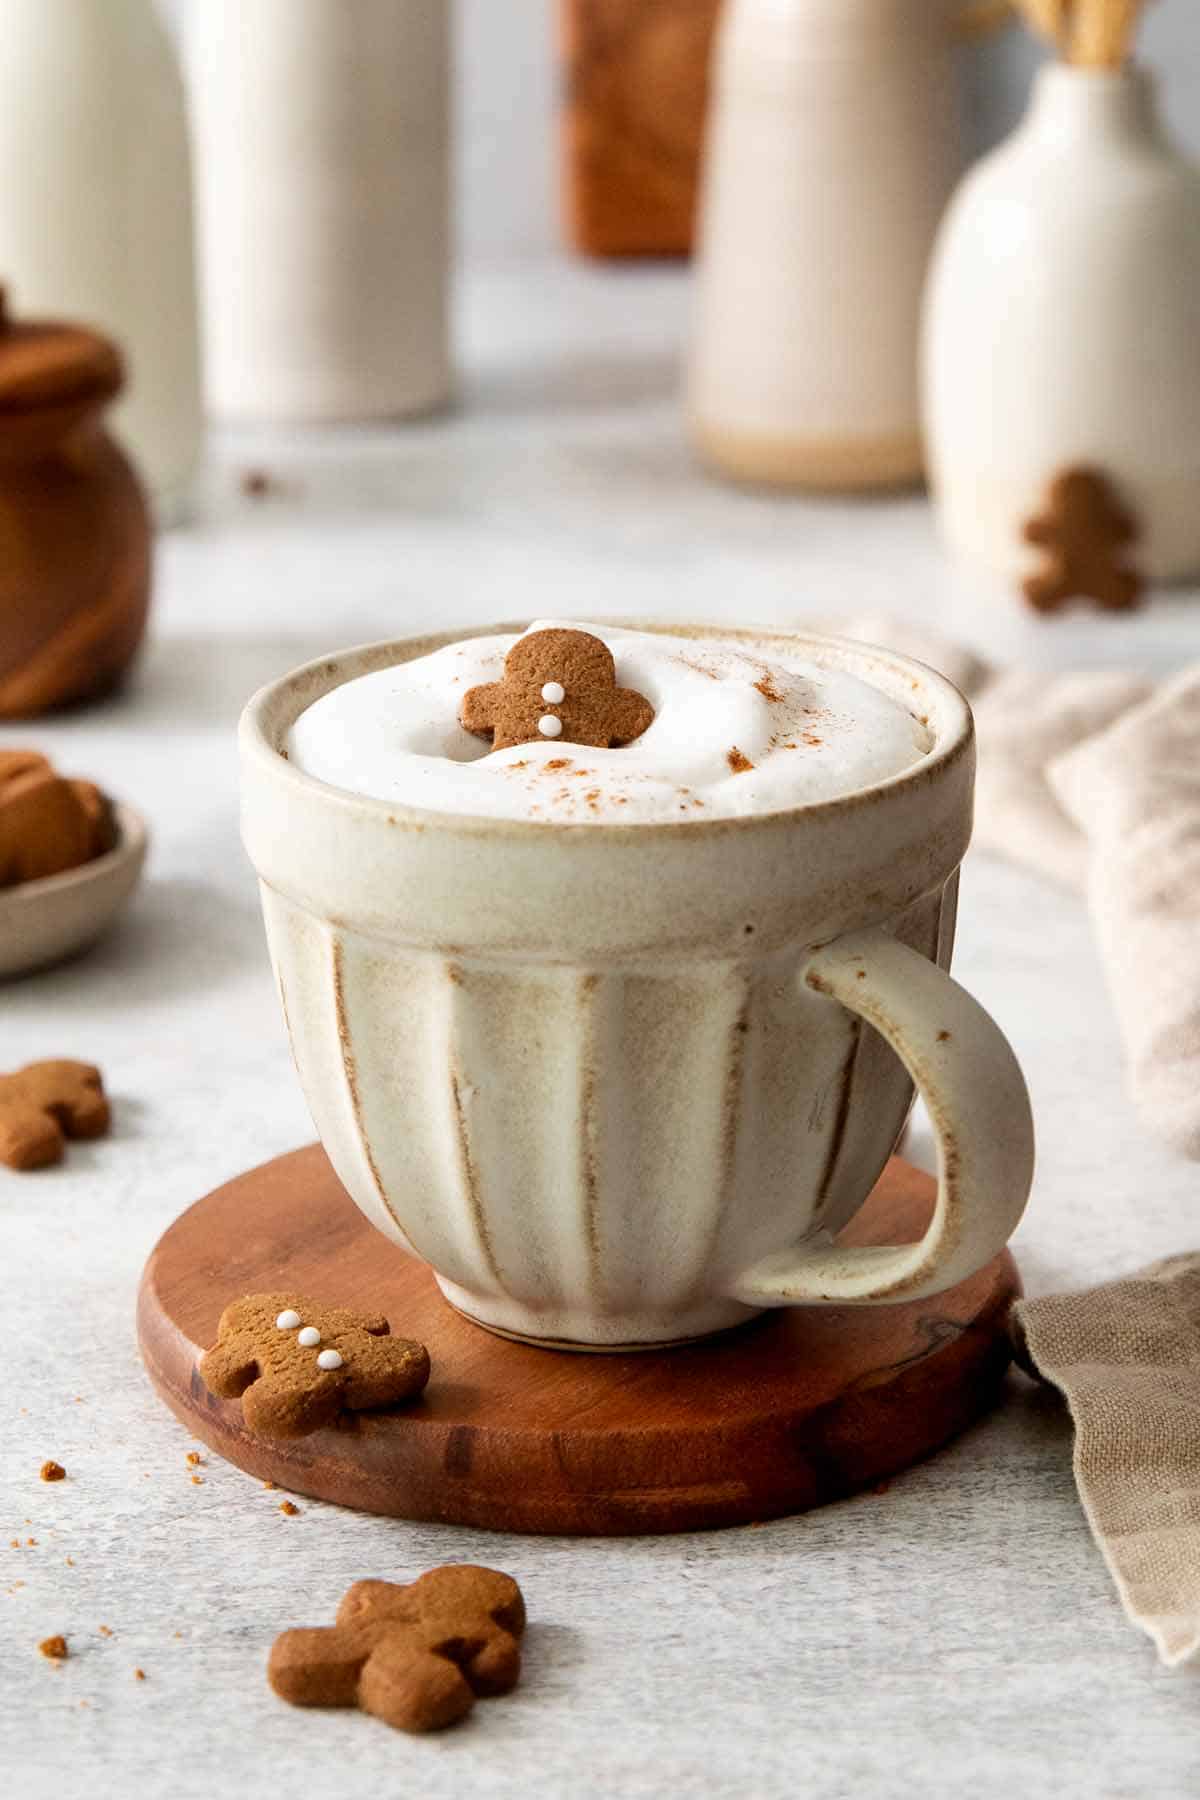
288 1321
549 726
310 1337
329 1359
554 693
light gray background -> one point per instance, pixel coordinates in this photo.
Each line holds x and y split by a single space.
506 98
506 89
957 1633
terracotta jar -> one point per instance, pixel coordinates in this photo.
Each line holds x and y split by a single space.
75 575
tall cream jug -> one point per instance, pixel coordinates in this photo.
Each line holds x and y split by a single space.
833 146
322 150
1062 324
96 208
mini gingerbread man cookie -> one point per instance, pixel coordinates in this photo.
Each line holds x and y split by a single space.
47 823
297 1364
1084 530
557 684
417 1656
43 1105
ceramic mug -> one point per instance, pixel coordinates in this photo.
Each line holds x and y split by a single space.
622 1086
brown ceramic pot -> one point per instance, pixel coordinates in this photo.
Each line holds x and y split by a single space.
75 573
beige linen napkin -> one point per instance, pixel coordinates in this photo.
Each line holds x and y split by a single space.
1093 779
1126 1357
1134 790
1026 721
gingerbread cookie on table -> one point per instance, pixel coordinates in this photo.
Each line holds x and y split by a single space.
44 1104
557 684
297 1365
417 1657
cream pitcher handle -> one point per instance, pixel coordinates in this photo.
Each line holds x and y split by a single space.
969 1080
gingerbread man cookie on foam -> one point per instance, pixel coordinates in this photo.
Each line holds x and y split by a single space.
297 1364
557 683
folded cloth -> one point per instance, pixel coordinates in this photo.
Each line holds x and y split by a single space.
1093 779
1025 722
1134 791
1126 1357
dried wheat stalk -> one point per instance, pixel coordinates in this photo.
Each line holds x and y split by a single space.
1103 32
1049 18
982 17
1091 34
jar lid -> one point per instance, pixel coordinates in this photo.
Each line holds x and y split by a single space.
46 364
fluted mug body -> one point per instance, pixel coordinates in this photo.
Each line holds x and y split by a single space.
586 1071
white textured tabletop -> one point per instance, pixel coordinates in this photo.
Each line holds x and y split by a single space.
956 1633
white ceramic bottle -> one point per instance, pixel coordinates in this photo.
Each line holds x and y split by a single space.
96 208
322 156
833 146
1062 324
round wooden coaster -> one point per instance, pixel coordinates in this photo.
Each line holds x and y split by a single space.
798 1408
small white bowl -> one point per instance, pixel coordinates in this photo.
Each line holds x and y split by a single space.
44 922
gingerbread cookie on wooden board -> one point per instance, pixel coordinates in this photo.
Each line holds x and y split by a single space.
297 1364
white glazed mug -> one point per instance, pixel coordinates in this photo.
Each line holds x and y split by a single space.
621 1086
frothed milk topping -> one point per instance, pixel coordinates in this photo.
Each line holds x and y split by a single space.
738 728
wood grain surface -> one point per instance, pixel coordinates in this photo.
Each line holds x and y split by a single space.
74 521
798 1408
636 91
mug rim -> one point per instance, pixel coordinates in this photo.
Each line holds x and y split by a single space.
274 708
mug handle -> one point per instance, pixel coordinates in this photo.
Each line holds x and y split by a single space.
976 1096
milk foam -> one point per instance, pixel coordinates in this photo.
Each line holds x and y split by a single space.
739 728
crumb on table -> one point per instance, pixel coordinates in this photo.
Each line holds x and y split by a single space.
52 1471
286 1506
256 484
55 1648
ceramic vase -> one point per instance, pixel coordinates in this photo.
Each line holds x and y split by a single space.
1062 324
322 153
832 148
96 208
